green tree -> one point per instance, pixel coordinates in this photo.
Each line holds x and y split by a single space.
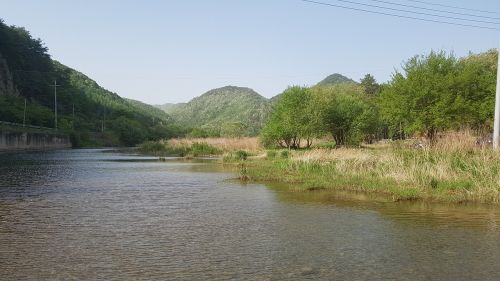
439 92
370 85
291 121
130 132
345 113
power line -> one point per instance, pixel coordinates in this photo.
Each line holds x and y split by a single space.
399 16
414 12
435 10
453 7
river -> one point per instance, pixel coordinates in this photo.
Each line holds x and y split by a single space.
105 215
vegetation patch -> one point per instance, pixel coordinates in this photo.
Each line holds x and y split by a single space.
443 172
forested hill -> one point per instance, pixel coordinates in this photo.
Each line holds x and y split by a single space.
226 111
93 115
169 107
335 79
330 81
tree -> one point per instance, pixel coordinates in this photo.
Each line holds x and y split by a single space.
345 113
370 85
292 121
440 92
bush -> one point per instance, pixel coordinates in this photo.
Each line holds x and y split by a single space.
236 155
241 154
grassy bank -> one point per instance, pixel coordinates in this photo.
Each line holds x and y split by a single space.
454 169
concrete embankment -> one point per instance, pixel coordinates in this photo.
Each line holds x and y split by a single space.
12 140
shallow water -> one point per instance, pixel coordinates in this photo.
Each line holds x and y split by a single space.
94 214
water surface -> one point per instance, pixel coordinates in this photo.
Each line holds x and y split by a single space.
103 215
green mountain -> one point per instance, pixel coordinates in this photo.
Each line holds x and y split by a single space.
335 79
331 80
226 111
92 115
169 107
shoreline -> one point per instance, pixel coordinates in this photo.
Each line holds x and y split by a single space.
454 169
304 177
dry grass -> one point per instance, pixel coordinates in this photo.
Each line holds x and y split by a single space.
454 165
461 141
225 144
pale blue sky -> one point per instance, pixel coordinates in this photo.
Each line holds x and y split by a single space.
172 51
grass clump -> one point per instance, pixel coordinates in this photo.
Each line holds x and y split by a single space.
203 149
238 155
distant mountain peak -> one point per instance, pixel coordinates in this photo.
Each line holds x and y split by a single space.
335 79
229 89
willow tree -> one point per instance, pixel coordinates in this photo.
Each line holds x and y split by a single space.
291 122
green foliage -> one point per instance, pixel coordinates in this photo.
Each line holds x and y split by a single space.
204 133
302 114
239 155
130 132
202 149
28 60
440 92
348 115
370 85
284 154
233 129
292 121
335 79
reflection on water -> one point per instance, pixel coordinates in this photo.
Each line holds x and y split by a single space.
85 214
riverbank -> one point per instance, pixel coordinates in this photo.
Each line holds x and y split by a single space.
454 169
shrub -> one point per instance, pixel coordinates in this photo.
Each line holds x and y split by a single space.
235 155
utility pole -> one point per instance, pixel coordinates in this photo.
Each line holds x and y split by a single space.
24 114
103 122
55 103
496 124
73 119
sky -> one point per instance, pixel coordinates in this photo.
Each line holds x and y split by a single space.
173 50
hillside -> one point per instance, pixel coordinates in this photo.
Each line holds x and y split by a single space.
169 107
335 79
228 110
93 115
331 80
